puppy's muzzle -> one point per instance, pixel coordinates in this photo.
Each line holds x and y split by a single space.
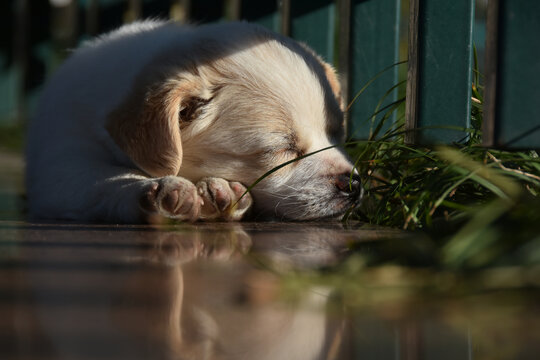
350 186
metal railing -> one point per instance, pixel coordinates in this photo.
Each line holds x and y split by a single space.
360 37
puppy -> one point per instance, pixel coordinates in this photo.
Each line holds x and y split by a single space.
157 119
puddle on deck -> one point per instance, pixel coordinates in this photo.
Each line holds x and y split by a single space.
225 291
240 291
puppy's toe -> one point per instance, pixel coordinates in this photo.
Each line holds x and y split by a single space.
170 201
209 210
216 196
243 201
148 199
220 199
172 197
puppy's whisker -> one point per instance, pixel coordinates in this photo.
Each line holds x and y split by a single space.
292 187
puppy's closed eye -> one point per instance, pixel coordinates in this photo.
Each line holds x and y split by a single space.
293 145
293 150
287 148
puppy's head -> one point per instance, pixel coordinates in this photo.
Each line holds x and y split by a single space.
237 106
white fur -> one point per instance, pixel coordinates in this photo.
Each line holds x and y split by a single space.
257 85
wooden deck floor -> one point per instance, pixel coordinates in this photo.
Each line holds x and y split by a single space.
220 291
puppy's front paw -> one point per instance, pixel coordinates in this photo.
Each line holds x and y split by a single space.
222 199
173 197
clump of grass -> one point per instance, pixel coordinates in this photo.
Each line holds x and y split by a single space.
482 202
410 187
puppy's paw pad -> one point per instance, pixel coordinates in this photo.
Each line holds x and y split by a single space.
172 197
221 199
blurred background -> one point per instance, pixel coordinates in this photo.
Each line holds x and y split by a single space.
37 36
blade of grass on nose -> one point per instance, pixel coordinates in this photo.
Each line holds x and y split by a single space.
269 172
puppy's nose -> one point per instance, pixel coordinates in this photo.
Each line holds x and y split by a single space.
349 185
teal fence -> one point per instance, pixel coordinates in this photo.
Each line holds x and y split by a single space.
360 37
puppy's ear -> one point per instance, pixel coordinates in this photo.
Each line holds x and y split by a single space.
147 125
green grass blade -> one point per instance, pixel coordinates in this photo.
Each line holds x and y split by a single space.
271 171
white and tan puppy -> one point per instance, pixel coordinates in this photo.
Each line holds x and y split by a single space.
159 119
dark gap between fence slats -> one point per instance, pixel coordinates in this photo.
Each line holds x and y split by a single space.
263 12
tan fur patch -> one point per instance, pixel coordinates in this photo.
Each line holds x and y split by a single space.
333 80
146 127
331 76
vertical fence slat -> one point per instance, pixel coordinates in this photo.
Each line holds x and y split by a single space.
7 71
444 70
374 47
344 55
133 11
313 22
232 10
91 16
411 101
180 10
285 15
512 119
64 30
20 57
490 95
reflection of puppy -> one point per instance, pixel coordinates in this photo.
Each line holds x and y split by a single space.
160 119
240 315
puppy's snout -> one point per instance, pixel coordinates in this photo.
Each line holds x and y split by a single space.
349 185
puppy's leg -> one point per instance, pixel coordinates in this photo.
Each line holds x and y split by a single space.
223 199
136 198
98 192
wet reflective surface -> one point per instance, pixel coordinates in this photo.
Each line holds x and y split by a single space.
230 291
247 291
